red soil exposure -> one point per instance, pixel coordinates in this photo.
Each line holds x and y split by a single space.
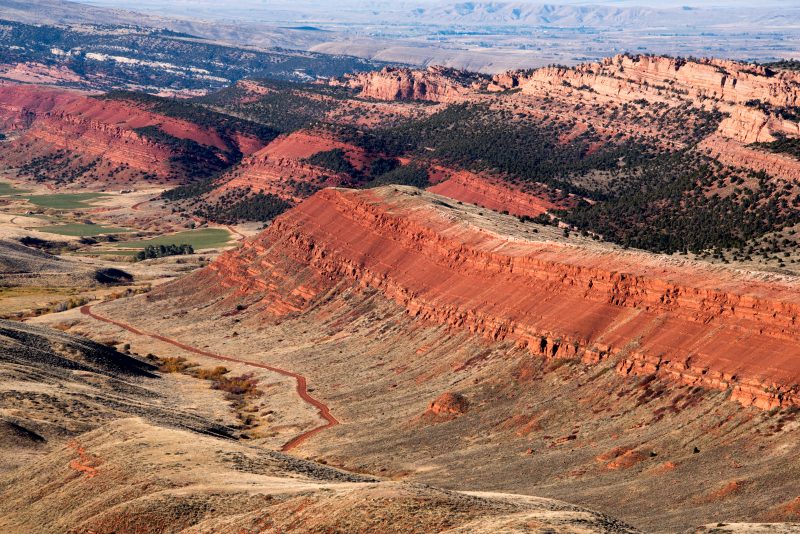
493 194
302 144
301 388
789 511
622 458
83 461
686 321
722 493
662 469
54 119
521 424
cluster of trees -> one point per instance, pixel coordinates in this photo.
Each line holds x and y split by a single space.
648 197
411 174
191 159
334 160
240 205
59 167
683 201
381 171
789 113
226 125
160 251
283 109
783 144
784 64
482 139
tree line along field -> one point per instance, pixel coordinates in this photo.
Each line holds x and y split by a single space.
204 238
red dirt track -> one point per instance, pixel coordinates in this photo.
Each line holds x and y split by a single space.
302 389
233 230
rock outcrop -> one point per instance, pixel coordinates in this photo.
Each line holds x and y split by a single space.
392 83
753 99
448 404
747 94
719 80
736 154
684 321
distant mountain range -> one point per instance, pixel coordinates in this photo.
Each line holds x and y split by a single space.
66 12
606 14
598 16
484 36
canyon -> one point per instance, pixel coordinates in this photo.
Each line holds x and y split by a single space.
417 300
485 340
650 100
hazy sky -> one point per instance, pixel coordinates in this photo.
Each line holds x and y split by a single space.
243 4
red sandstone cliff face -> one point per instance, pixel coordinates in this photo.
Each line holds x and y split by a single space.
54 119
736 154
733 87
391 83
697 325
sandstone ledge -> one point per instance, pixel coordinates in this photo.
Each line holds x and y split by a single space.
711 327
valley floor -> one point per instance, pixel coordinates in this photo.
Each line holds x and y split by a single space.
417 402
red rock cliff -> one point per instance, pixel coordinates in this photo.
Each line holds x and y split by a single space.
712 327
57 119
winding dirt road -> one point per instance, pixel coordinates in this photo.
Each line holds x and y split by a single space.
138 205
235 231
302 389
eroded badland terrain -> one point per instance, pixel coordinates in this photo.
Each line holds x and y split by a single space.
557 300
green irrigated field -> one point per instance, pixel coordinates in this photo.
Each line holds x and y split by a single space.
199 239
81 229
65 201
7 189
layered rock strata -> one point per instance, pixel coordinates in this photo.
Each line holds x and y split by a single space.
712 327
393 83
94 128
